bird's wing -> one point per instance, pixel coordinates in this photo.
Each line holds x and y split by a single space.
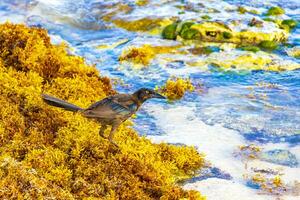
112 107
125 100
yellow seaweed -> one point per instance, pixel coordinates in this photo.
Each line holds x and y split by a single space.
143 55
141 2
175 89
250 61
48 153
150 25
270 184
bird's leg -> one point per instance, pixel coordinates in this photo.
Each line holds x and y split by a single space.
111 134
101 131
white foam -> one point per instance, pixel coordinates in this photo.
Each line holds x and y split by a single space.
218 189
54 2
218 143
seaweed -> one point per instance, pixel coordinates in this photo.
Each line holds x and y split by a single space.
250 48
268 45
227 35
206 17
175 88
152 25
143 55
142 2
275 11
169 32
214 31
290 23
48 153
242 10
187 32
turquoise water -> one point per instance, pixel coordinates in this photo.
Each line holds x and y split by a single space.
217 120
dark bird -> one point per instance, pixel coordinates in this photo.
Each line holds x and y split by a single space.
110 111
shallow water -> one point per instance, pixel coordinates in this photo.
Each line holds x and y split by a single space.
234 108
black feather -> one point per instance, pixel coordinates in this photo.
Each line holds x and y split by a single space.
60 103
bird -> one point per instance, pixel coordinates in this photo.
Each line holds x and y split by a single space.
110 111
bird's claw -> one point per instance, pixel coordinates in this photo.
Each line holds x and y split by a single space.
103 136
115 144
110 140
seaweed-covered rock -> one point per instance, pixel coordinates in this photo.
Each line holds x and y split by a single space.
169 32
182 29
151 25
242 10
275 11
245 60
219 32
48 153
227 35
206 17
213 31
186 32
290 23
250 48
269 45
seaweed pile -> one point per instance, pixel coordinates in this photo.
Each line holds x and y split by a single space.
53 154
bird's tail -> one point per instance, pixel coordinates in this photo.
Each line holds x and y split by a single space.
60 103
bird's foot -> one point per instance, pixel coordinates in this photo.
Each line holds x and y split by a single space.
115 144
102 135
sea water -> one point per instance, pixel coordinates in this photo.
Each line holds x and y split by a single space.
217 120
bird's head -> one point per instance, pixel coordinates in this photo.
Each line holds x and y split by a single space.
144 93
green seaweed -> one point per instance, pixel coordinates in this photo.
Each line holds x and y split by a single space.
206 17
227 35
255 12
169 32
185 26
268 19
275 11
202 50
189 34
268 45
250 48
242 10
290 23
186 32
214 31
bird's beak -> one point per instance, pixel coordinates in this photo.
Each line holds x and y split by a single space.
158 96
